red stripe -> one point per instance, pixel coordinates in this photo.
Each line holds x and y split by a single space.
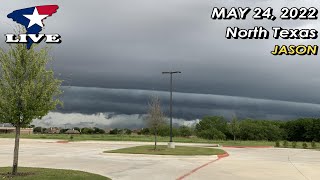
196 169
47 10
247 146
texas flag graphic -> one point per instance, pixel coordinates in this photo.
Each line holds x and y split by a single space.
32 18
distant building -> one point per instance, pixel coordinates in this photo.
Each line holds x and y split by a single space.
107 130
52 130
72 131
9 130
136 131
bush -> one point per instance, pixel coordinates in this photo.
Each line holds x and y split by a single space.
313 145
294 144
98 131
145 131
128 131
87 131
285 144
304 145
114 131
277 144
71 137
185 131
212 128
212 134
37 130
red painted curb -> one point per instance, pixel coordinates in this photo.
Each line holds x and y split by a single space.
63 142
248 146
196 169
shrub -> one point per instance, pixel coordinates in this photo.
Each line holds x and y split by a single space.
285 144
212 134
145 131
313 145
185 131
37 130
87 131
294 144
114 131
98 131
71 137
304 145
128 131
277 144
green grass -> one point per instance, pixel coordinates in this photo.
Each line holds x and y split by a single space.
146 138
25 173
164 150
140 138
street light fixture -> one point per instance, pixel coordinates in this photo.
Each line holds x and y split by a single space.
171 144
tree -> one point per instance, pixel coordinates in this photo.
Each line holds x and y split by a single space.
28 90
37 130
87 131
128 131
234 127
155 118
214 127
98 131
185 131
78 129
145 131
114 131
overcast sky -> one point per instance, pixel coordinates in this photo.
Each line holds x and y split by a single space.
113 52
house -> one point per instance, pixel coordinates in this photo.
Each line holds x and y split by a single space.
53 130
12 130
72 131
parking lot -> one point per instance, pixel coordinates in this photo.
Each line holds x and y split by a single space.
241 164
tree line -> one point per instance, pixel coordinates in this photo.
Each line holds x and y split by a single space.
218 128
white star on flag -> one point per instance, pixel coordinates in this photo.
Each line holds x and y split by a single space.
35 18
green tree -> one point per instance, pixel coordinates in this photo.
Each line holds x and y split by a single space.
78 129
128 131
37 130
87 131
234 127
145 131
98 131
185 131
260 130
28 89
214 127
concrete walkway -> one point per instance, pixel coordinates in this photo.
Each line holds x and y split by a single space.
242 164
263 164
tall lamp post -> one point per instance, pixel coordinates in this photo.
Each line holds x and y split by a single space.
171 144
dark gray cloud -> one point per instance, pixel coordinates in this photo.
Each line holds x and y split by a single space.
127 44
188 106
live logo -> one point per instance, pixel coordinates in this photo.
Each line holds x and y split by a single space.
36 38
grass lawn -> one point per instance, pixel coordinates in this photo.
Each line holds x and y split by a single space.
48 174
141 138
163 150
146 138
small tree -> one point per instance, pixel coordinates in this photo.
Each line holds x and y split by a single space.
234 127
155 118
28 90
37 130
185 131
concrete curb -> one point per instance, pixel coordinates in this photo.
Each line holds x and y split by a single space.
247 146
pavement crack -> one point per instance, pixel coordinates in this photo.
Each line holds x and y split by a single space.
296 166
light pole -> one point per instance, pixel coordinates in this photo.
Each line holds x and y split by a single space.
171 144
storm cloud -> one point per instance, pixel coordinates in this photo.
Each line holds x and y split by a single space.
113 52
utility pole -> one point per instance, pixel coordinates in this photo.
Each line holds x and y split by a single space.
171 144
